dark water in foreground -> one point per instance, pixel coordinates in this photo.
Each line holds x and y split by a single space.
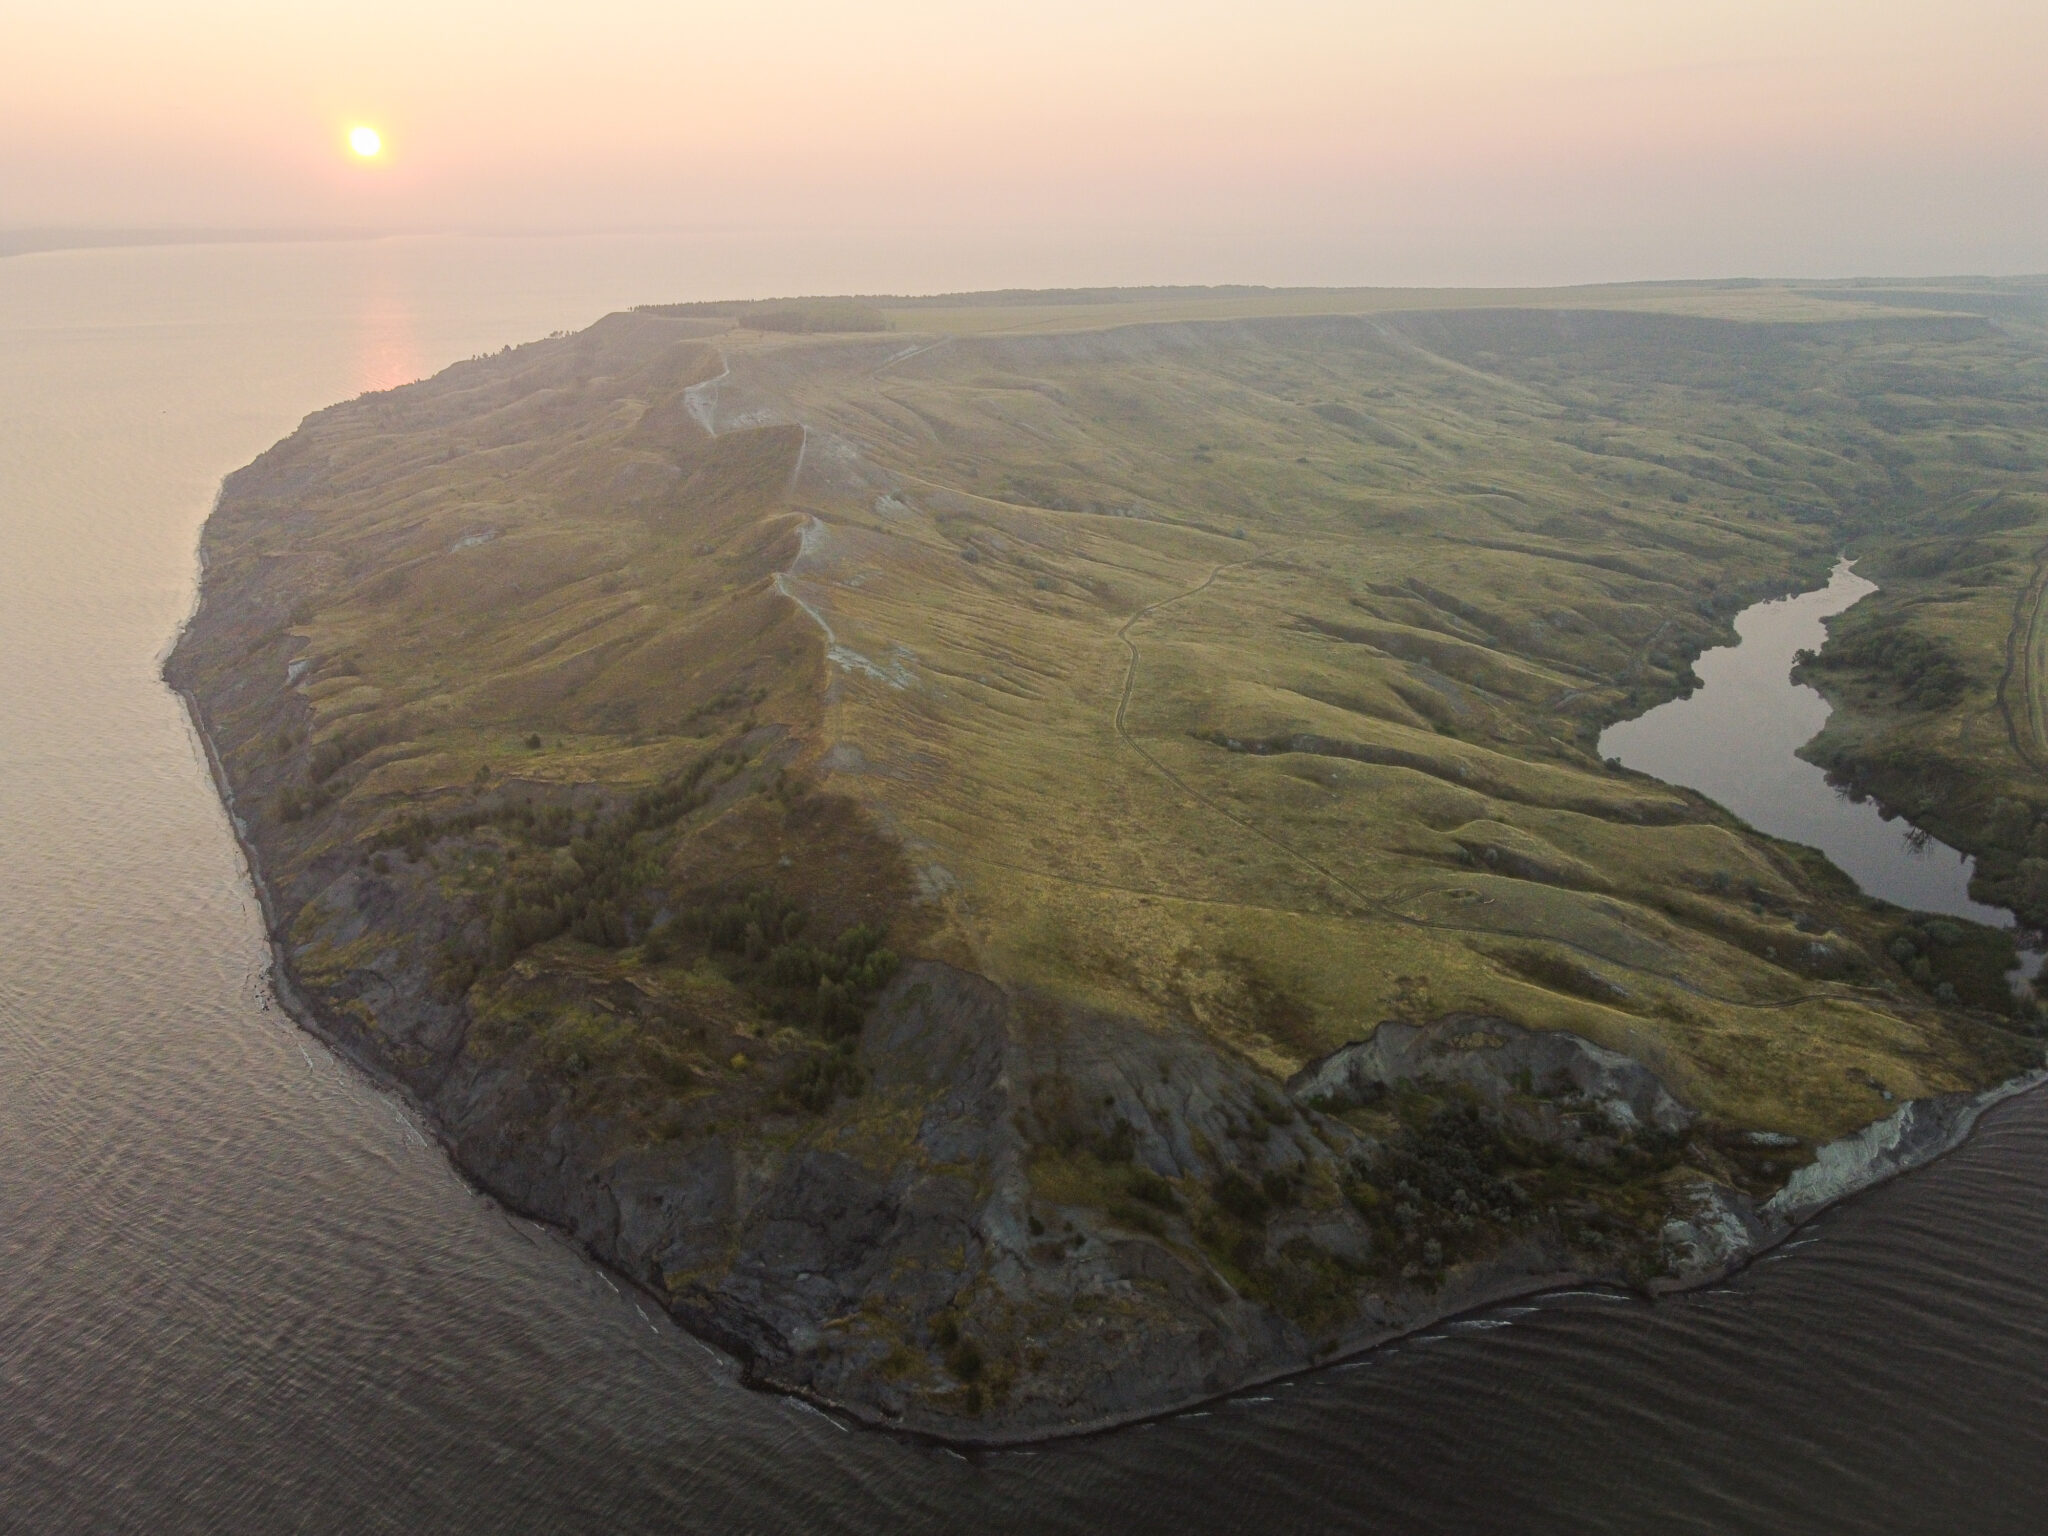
239 1293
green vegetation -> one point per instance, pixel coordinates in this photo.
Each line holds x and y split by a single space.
1457 1180
595 894
827 987
1921 671
1957 962
1240 675
615 718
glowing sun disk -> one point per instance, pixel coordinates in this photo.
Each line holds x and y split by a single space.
365 141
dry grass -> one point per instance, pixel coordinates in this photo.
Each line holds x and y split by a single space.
1232 661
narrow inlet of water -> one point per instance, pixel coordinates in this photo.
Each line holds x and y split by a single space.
1737 739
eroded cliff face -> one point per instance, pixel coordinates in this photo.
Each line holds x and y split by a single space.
1034 1219
595 808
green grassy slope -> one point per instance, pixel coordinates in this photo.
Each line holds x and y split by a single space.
1265 658
613 718
1241 671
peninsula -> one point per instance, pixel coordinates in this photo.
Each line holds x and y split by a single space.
1019 860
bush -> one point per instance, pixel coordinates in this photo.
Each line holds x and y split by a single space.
1923 671
601 923
1153 1190
295 803
329 757
1439 1179
1958 962
793 965
964 1360
1138 1218
1563 975
820 1079
1238 1196
835 983
592 896
838 1009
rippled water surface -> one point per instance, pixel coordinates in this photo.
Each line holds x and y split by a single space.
238 1292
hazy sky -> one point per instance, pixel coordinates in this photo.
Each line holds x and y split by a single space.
1265 140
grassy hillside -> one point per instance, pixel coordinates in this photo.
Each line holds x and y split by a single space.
1220 666
1259 661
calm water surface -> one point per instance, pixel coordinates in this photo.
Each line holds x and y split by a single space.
1734 740
239 1292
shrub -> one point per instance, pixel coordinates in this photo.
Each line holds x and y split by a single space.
793 965
964 1360
329 757
1237 1195
820 1079
1922 670
294 802
1139 1218
1278 1188
600 923
1563 975
838 1011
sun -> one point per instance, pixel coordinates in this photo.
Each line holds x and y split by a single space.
365 141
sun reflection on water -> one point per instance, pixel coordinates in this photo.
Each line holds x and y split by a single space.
387 350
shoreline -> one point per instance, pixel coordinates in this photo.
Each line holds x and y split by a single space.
1962 1116
1969 1115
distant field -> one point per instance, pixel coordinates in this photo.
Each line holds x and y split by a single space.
1733 302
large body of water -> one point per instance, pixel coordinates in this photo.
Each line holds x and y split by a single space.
238 1292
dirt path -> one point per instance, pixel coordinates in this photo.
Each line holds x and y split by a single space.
696 398
1121 714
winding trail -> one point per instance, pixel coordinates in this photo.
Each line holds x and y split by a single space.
1121 714
695 399
2026 670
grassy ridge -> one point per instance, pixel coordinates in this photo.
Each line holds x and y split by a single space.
1240 673
1264 661
625 723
